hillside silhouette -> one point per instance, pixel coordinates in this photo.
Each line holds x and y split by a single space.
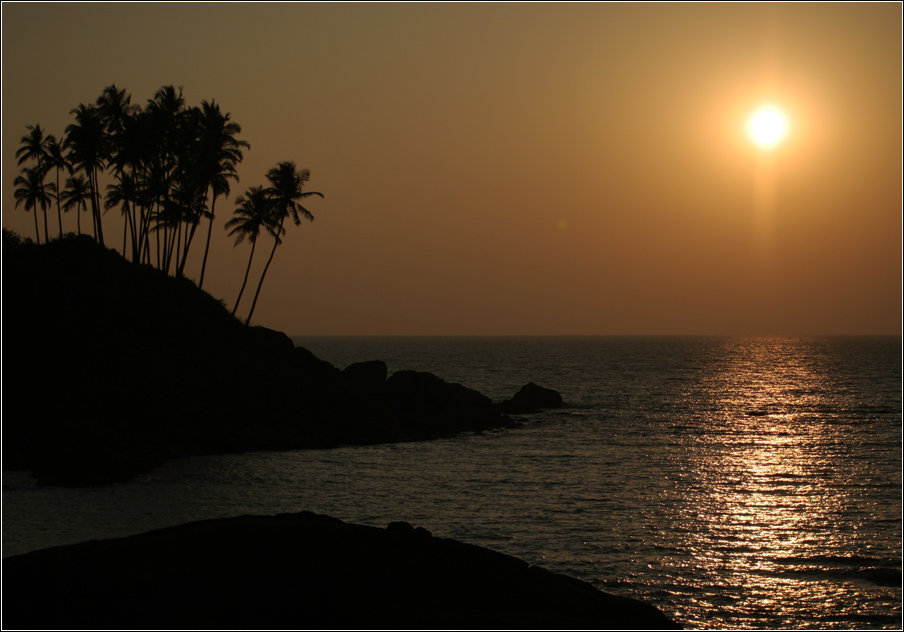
110 366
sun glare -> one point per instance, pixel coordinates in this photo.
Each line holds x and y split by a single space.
767 126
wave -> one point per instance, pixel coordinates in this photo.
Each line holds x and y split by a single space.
877 571
869 619
842 560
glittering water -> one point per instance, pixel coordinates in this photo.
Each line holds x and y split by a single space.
732 482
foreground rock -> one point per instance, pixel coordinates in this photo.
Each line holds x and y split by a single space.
111 367
299 571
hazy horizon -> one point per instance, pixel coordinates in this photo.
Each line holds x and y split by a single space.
521 169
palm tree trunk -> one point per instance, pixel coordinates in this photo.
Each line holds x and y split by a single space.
133 236
95 197
177 247
164 265
46 234
78 217
213 201
37 230
261 282
146 237
189 237
172 241
93 205
59 213
138 245
245 280
144 245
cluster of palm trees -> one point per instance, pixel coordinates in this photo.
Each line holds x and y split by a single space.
167 164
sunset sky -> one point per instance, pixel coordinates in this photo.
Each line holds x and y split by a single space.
522 168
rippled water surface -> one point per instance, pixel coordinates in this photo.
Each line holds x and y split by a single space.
732 482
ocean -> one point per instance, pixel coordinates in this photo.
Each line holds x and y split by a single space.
731 482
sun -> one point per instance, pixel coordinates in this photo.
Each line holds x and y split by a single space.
767 126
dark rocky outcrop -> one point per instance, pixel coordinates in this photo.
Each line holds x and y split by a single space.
365 378
299 571
418 397
530 399
109 367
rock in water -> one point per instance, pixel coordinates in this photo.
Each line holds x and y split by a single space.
299 571
530 399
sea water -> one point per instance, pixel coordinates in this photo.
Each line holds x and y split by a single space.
731 482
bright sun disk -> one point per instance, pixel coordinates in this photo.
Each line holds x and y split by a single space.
767 126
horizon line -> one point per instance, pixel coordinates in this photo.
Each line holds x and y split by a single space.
597 335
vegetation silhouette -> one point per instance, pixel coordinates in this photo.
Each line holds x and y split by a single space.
220 152
284 193
53 154
252 214
164 166
32 179
87 146
32 191
76 195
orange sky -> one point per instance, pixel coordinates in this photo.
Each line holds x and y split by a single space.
523 168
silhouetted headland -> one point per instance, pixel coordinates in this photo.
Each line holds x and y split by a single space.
111 366
300 571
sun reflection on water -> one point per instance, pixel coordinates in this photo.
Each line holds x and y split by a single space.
769 486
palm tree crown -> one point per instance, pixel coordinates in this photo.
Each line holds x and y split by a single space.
85 139
253 213
286 184
33 192
87 143
32 145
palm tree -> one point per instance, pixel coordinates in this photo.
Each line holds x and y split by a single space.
187 198
285 191
53 154
188 186
126 193
33 192
165 115
254 212
219 153
286 184
114 107
134 150
87 144
167 219
32 147
77 193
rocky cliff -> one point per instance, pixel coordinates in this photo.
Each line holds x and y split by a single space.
110 367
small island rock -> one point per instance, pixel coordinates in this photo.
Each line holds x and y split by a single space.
530 399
